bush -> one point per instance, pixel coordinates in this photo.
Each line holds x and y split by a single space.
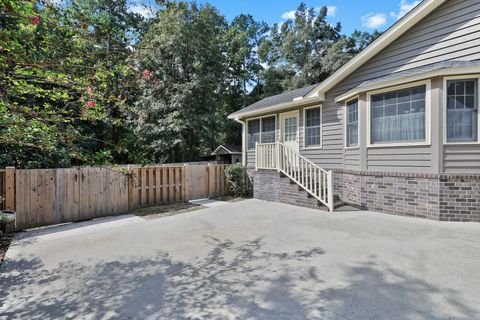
238 180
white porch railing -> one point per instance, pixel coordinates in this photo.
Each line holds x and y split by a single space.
313 179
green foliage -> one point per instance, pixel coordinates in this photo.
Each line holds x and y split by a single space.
61 91
238 180
306 50
90 82
200 69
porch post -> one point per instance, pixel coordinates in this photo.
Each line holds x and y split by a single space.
256 156
330 190
278 156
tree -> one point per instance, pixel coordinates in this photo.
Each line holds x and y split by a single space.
242 39
60 84
345 49
306 50
181 107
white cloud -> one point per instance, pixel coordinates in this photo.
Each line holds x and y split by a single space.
374 20
143 10
404 8
331 11
288 15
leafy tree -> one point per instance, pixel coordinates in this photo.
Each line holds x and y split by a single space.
181 107
306 50
242 39
88 81
59 84
345 49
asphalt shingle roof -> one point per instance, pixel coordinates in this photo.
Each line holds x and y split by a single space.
283 97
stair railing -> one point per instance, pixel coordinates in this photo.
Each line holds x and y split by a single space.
316 181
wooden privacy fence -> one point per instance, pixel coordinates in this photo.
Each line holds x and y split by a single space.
51 196
2 190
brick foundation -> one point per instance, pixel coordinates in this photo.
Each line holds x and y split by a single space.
431 196
272 186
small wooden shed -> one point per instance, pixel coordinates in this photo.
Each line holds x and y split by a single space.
228 154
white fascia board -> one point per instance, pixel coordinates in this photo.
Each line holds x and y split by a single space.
395 82
393 33
277 107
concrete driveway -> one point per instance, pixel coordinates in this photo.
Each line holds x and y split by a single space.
246 260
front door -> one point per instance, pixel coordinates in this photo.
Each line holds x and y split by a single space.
289 129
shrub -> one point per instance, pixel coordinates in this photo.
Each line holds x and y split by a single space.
238 180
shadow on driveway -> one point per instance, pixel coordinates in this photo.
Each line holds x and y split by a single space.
242 280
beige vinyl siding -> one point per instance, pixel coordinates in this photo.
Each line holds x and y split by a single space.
393 159
331 155
461 158
452 32
251 159
352 159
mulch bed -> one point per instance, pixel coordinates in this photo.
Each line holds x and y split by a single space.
5 240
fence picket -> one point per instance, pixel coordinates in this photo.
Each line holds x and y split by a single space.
51 196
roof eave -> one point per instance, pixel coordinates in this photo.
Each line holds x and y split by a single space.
453 71
404 24
277 107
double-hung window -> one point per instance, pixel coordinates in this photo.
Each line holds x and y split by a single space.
352 123
462 111
398 116
268 130
313 127
261 130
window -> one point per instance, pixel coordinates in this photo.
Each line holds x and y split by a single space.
462 116
290 129
352 123
398 116
313 127
261 130
268 130
253 133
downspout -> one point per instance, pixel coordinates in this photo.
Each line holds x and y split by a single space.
244 150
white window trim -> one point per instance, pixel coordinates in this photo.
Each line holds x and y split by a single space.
461 77
260 118
345 123
304 126
428 106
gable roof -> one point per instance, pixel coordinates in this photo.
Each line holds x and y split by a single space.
317 92
423 9
230 149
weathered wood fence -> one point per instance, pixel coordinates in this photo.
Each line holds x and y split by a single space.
2 189
51 196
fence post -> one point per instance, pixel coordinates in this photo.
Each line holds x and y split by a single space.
10 188
186 182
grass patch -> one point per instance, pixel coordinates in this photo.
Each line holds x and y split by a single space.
167 210
230 198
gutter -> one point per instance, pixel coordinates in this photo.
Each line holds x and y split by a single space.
290 104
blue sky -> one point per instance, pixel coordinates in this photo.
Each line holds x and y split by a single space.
365 15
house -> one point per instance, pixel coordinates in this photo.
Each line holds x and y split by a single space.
228 154
394 130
